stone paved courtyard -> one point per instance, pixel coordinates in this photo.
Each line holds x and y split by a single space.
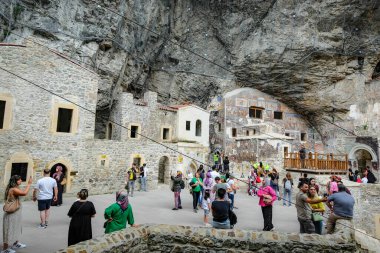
148 207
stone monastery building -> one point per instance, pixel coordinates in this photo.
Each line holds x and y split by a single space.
51 120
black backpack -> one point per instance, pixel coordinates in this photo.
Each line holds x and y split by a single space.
232 217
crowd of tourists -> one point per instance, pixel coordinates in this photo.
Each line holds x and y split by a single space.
213 191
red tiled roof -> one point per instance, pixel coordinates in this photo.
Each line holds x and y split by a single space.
167 108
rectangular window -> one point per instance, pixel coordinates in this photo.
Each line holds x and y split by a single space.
286 151
277 115
234 132
256 112
303 136
134 131
165 133
20 169
247 133
64 120
287 134
2 113
187 125
219 127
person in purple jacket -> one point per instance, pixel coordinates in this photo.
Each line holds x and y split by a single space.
267 197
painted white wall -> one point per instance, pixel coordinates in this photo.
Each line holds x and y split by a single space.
193 113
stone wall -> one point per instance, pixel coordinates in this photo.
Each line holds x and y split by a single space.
170 238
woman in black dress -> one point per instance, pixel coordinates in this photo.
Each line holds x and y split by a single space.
81 213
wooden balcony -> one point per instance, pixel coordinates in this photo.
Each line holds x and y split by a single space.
315 163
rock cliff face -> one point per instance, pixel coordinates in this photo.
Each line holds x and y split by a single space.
194 50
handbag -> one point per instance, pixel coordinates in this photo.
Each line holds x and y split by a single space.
64 181
316 217
11 206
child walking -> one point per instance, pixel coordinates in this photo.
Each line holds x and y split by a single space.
206 205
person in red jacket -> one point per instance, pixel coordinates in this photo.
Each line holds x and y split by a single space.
267 197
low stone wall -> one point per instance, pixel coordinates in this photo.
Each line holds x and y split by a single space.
170 238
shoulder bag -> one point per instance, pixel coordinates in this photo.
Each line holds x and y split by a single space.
316 217
11 205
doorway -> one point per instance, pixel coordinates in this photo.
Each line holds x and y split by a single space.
64 171
364 159
163 170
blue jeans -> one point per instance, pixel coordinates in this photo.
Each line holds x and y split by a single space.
287 197
143 184
318 226
131 187
222 225
232 198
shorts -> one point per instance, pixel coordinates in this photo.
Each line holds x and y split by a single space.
44 204
207 212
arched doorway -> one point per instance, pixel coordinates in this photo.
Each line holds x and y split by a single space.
163 170
193 167
363 158
53 169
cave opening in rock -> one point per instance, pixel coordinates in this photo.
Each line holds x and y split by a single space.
376 71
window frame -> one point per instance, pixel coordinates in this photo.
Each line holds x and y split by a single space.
169 133
198 129
137 133
255 109
74 118
188 125
234 132
8 111
274 115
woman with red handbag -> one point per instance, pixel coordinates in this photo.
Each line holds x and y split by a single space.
12 218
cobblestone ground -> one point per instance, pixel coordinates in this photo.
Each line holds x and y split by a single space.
148 207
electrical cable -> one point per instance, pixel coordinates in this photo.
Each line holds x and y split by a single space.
146 137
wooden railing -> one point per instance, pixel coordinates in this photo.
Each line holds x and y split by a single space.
315 161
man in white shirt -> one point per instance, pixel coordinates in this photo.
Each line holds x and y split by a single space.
45 187
214 173
234 187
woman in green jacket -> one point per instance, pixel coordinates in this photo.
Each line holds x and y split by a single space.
119 213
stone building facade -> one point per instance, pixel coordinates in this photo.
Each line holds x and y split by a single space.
49 120
248 125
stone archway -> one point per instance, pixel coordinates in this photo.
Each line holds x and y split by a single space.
193 167
163 170
361 156
66 169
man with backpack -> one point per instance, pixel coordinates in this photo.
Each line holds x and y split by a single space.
131 179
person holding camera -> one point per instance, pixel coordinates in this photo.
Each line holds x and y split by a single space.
177 185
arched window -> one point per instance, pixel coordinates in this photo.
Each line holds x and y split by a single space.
109 132
198 128
376 71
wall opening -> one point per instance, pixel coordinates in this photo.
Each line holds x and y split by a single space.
303 136
64 171
20 169
277 115
219 127
256 112
134 131
198 128
165 133
2 113
137 161
64 120
188 125
364 159
109 131
376 71
234 132
163 170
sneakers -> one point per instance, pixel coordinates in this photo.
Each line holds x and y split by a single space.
18 246
208 225
180 207
9 250
42 226
195 211
272 229
175 208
